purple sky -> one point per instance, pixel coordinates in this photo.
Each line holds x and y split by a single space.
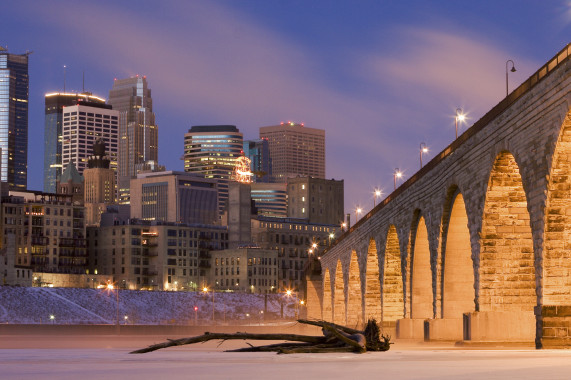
379 76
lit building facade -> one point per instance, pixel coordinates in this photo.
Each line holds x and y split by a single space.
295 150
53 138
318 200
211 151
83 125
244 269
292 239
258 151
154 255
48 231
270 199
99 184
138 132
176 197
14 90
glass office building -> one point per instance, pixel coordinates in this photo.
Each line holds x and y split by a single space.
258 151
211 151
54 103
14 88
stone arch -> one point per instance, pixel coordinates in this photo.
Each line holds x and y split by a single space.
339 311
506 265
392 298
457 266
372 284
327 296
421 300
354 299
557 244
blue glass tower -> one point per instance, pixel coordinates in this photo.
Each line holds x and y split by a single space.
258 151
14 89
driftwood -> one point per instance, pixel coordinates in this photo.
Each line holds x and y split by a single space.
335 338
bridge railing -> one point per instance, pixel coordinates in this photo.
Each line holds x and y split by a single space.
561 57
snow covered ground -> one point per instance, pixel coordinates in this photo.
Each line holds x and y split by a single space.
209 363
99 306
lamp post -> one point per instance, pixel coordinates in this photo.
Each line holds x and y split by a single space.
196 315
459 117
513 70
397 174
331 237
110 288
376 194
205 290
423 149
357 212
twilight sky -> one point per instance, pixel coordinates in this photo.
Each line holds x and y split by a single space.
379 76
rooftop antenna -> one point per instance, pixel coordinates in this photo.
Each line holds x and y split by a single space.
64 67
83 82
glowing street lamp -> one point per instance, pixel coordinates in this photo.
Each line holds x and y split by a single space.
331 237
377 194
459 117
110 287
205 290
344 226
513 70
423 149
357 212
396 174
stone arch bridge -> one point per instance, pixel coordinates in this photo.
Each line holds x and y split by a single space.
477 244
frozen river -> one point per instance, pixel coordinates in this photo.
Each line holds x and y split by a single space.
108 358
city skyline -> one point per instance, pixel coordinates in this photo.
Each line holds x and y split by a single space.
378 78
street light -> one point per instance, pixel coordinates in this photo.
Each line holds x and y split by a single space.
513 70
331 237
357 212
205 290
423 149
459 117
377 194
110 287
397 174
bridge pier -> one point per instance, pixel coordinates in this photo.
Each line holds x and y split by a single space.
410 328
499 326
446 329
553 326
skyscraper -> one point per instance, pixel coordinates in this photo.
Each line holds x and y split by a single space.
138 133
54 103
99 184
211 151
14 88
295 150
258 151
83 124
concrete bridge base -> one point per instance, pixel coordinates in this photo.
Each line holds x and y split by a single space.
410 328
389 328
447 329
485 326
554 325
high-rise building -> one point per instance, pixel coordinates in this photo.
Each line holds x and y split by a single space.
99 184
53 138
83 124
295 150
14 89
211 151
270 199
138 133
315 199
175 197
258 151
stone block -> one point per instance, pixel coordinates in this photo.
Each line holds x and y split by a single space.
410 328
445 329
500 326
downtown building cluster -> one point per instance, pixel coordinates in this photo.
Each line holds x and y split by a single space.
110 213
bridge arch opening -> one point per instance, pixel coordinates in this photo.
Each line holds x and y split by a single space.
354 299
457 267
506 270
392 291
327 295
339 312
421 274
557 245
373 284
